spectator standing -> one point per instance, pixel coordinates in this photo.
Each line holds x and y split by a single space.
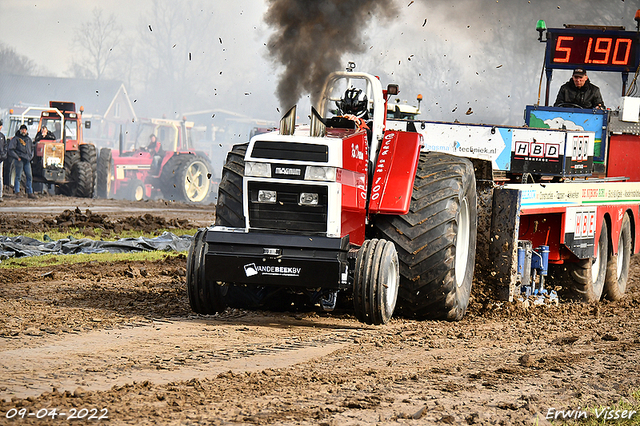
21 151
3 157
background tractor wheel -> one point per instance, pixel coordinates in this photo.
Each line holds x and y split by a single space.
436 239
82 173
70 160
583 281
168 177
135 190
186 178
205 296
89 154
229 205
80 181
376 282
615 284
104 173
194 180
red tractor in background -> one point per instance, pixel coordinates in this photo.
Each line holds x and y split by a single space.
167 167
66 161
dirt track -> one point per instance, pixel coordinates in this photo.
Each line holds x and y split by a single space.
121 337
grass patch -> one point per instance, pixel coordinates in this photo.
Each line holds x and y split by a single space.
98 234
56 259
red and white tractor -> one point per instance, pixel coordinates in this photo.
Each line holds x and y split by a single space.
344 208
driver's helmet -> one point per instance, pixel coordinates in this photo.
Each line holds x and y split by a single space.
352 103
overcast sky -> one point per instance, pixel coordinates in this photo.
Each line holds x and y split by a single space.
460 54
42 29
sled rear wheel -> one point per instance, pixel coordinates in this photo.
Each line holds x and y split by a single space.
615 284
583 281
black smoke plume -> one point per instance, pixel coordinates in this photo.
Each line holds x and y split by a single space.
311 37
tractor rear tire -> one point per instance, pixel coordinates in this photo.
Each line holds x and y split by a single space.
104 173
436 239
584 281
205 296
229 205
615 284
186 178
168 177
377 277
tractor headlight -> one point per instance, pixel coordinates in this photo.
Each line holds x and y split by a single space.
265 196
327 174
308 199
257 169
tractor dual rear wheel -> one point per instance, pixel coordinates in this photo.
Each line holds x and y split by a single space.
436 239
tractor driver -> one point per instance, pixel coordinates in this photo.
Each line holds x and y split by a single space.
44 133
580 92
155 148
353 105
355 108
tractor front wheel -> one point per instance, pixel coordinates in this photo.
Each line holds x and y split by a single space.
135 190
376 282
205 296
80 181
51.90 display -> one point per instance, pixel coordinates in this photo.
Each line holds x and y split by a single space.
593 49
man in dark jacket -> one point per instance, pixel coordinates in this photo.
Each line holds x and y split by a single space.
21 151
579 91
3 156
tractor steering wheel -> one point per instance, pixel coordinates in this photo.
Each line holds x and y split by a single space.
569 104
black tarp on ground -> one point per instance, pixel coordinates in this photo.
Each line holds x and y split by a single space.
24 246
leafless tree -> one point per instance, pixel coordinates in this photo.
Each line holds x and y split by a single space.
175 64
11 62
96 40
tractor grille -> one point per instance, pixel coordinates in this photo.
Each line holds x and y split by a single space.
291 151
287 215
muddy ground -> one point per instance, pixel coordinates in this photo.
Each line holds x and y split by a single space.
120 339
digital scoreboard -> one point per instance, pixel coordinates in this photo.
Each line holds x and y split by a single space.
593 49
